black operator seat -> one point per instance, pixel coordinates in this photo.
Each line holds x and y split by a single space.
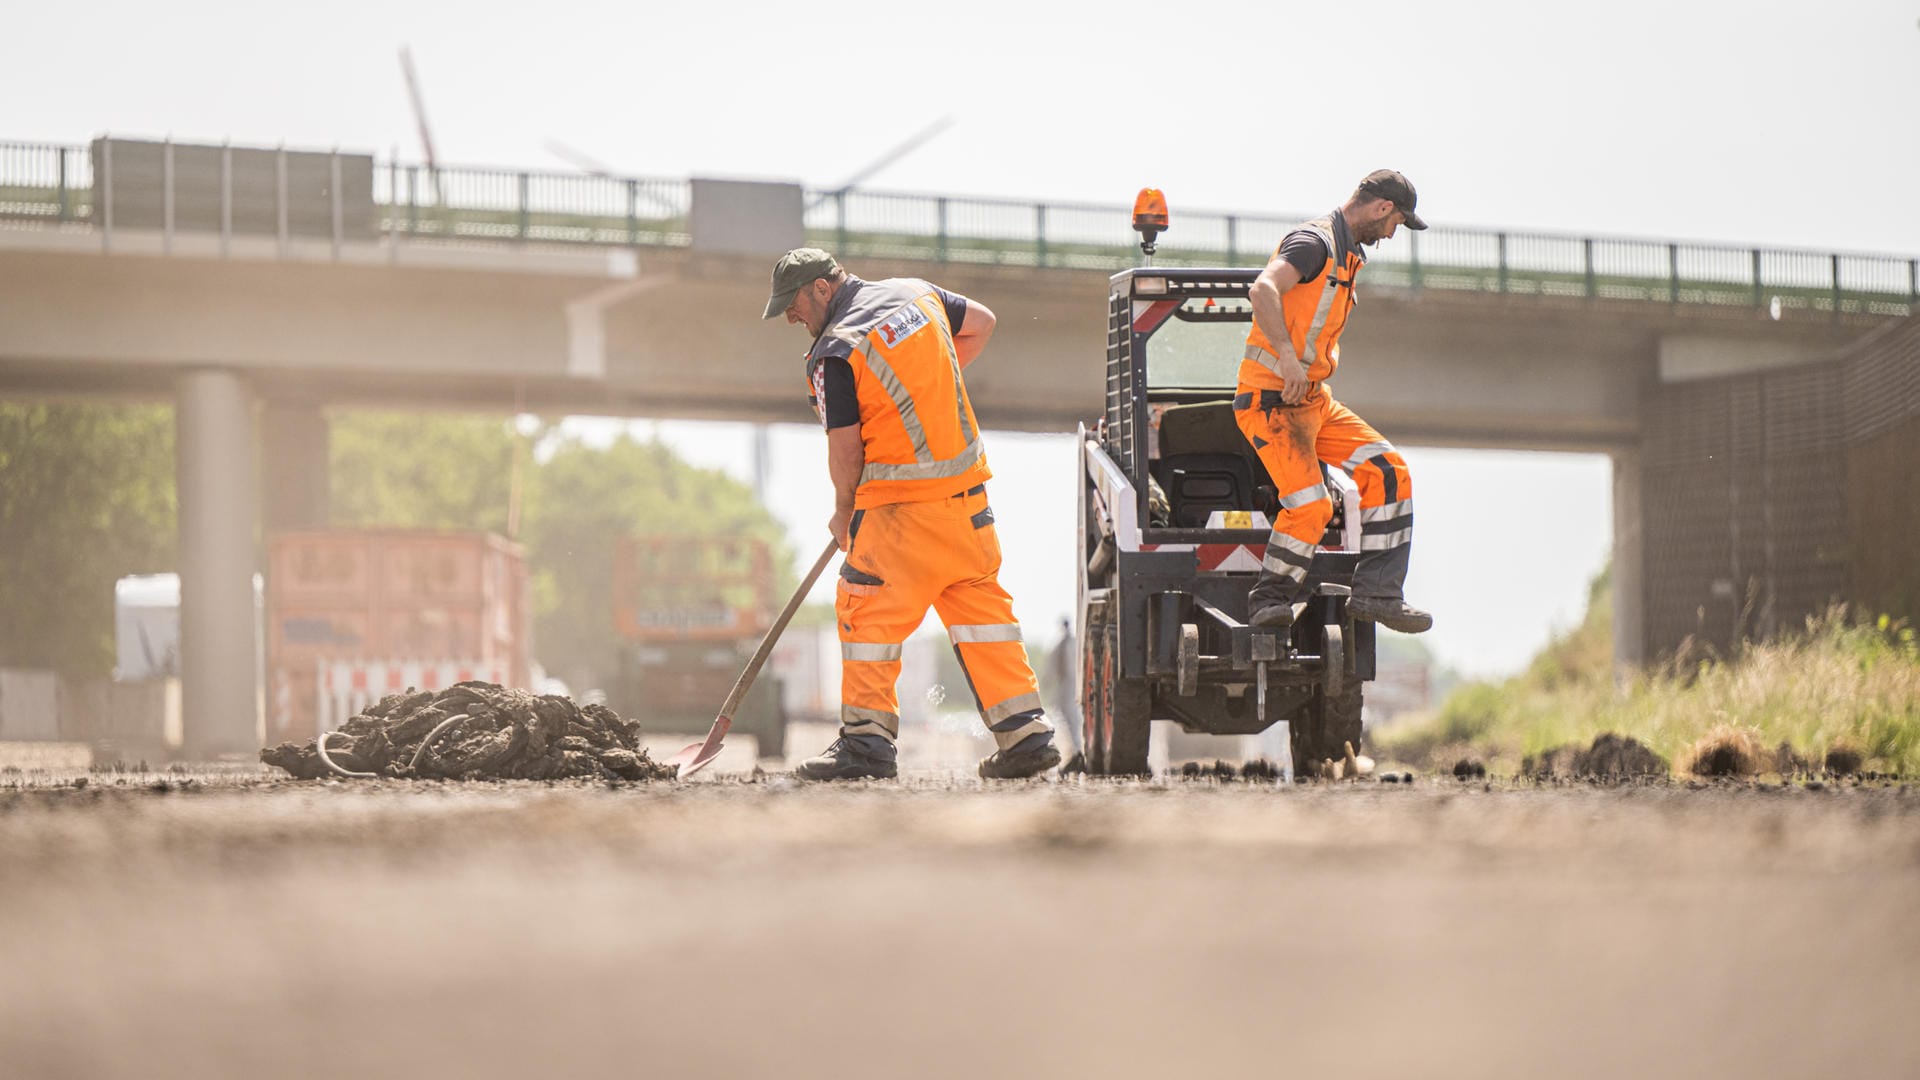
1206 464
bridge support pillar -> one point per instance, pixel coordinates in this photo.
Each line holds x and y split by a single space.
1629 563
215 477
294 473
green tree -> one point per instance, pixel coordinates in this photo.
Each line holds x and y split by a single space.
582 499
86 497
420 470
455 472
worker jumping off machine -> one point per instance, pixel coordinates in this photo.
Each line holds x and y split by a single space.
1301 302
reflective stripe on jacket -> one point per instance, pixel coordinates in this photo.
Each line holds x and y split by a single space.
916 421
1316 312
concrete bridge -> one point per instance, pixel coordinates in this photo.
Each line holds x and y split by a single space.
226 278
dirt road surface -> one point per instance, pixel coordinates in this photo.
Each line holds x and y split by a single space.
938 927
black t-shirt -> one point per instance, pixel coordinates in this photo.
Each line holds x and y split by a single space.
833 382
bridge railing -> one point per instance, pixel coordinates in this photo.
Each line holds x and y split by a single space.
1083 236
542 207
48 186
43 184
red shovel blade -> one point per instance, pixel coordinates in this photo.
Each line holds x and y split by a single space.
696 756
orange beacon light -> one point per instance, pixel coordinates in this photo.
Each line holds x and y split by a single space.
1149 219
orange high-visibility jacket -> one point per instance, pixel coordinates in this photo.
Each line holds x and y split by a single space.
916 421
1316 311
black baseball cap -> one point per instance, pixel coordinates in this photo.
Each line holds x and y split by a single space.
1394 187
794 270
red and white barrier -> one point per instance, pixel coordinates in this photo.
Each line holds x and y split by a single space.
345 688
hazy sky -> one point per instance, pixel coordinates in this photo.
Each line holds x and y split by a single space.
1748 121
1745 122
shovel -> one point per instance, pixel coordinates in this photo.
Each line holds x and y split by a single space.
696 756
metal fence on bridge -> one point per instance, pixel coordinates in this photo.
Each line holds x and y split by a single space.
50 186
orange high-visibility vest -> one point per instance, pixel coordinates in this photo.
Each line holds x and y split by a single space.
917 424
1315 311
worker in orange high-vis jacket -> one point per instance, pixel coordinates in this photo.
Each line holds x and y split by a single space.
910 510
1301 303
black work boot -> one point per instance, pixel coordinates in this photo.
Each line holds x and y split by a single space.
1390 612
1270 601
1272 617
1032 756
852 757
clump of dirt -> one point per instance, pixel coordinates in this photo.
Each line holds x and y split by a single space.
1788 762
1611 757
1728 750
1616 757
1259 769
495 734
1469 769
1219 770
1843 760
1549 764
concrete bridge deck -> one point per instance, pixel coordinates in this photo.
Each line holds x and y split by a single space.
335 278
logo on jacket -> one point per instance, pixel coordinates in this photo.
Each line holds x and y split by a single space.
817 374
905 323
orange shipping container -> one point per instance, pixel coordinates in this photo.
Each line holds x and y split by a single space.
388 595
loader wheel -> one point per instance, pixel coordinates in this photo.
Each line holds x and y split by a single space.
773 738
1126 714
1093 738
1333 659
1187 677
1320 730
769 718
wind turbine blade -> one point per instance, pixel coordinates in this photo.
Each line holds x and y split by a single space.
593 166
590 165
912 143
420 119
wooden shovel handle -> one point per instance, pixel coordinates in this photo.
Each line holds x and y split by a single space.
745 681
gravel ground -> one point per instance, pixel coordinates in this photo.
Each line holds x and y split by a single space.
235 925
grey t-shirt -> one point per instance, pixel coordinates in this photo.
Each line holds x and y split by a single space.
1304 249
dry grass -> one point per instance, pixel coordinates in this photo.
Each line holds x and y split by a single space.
1844 683
1728 750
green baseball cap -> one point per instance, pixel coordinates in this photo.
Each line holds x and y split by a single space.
794 270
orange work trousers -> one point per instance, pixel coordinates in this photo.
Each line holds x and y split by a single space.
944 554
1292 441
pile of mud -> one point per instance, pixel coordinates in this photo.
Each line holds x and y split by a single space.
476 731
1840 761
1611 757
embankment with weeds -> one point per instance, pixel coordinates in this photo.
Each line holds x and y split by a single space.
1844 684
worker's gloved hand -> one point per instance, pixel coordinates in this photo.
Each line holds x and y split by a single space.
1159 510
1293 382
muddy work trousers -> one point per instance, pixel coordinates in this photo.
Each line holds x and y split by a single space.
943 554
1292 441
